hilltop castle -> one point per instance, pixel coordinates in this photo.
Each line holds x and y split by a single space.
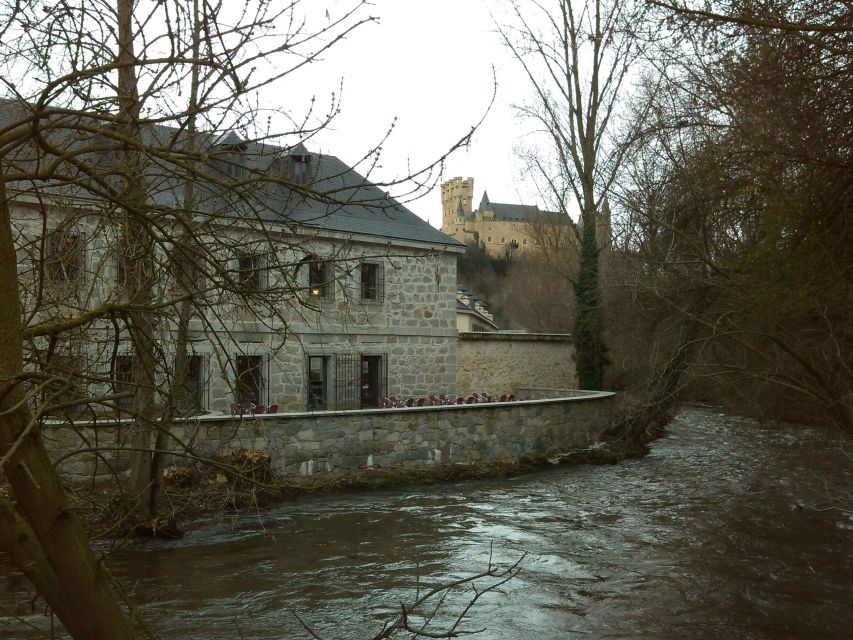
502 228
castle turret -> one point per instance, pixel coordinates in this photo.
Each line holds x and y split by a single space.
456 197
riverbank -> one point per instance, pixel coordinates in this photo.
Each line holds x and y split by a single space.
245 484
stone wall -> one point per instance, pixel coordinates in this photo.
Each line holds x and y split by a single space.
413 328
500 362
336 440
412 324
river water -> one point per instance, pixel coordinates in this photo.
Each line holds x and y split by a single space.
726 530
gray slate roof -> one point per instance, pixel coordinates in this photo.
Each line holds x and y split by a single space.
518 212
335 197
509 212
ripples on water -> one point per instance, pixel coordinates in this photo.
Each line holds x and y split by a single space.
725 531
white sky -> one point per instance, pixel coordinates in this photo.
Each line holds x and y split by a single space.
429 63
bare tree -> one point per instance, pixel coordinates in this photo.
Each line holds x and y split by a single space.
98 138
577 57
736 199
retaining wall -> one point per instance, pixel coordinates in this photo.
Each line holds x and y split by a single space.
307 443
498 362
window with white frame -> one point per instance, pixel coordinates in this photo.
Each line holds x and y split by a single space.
122 379
192 394
250 386
250 273
64 388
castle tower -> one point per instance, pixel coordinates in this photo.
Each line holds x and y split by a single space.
454 192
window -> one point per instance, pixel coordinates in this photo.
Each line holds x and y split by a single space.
63 262
360 380
231 164
187 277
123 379
318 382
300 166
373 380
108 147
319 285
371 282
191 397
250 382
503 240
295 167
489 239
122 261
524 241
65 385
249 272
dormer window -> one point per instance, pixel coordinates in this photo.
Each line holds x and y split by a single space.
108 148
229 156
300 165
296 165
232 164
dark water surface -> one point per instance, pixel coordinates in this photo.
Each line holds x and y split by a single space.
727 530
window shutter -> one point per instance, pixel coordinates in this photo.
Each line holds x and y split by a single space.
347 380
205 381
380 282
265 380
383 376
85 258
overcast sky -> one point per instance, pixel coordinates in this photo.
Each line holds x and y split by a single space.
432 64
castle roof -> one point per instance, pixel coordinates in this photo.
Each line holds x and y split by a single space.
509 212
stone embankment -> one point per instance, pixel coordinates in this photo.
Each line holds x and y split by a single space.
306 443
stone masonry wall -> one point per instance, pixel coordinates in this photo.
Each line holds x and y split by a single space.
413 327
336 440
497 362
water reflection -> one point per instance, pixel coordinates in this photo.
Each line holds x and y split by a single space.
705 538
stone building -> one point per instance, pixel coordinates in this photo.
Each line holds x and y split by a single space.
502 228
302 302
472 314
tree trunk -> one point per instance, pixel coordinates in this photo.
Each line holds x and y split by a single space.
40 533
656 411
183 268
590 350
139 270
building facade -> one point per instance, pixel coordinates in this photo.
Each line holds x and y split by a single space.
472 314
299 300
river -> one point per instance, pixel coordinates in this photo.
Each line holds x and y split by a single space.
726 530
